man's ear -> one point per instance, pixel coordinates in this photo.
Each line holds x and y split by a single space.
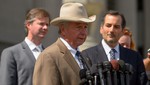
62 29
101 29
28 24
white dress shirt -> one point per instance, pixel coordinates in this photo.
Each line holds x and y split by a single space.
36 50
73 52
107 50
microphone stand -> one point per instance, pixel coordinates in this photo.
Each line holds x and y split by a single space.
95 80
122 77
121 71
89 77
128 72
99 66
115 66
115 77
107 67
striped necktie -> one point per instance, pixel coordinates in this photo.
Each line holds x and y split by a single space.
112 54
78 56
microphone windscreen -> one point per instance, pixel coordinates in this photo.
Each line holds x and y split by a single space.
100 65
115 64
107 64
129 68
121 64
82 73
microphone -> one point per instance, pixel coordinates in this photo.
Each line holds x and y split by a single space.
82 75
89 77
100 71
86 77
121 71
107 67
115 67
128 72
94 73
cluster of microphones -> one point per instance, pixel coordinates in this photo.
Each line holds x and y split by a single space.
114 72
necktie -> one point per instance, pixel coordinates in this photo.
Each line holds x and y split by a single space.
37 52
112 54
79 59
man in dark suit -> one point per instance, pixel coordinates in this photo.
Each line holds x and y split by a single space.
111 30
17 62
58 64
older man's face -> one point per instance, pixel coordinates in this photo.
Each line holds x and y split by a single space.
75 33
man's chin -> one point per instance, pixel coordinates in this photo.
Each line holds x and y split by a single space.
80 43
111 41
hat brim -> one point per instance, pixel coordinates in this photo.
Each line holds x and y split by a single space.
58 20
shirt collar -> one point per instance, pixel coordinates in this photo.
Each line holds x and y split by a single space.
72 50
31 45
107 48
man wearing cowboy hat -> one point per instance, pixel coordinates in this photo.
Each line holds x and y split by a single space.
58 64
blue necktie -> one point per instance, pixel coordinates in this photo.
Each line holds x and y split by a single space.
112 54
78 56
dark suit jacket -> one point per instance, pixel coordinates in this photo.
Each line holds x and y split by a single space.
56 66
97 54
17 64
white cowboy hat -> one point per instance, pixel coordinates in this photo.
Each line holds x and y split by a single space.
73 12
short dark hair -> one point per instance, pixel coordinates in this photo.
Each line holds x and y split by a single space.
115 13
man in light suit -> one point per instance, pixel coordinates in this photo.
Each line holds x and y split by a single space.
111 29
58 63
17 62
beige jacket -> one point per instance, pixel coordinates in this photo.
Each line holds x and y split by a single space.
56 66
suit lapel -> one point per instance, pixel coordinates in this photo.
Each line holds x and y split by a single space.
71 61
68 57
122 53
28 51
101 53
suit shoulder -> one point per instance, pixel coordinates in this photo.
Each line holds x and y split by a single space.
12 48
132 53
9 52
90 49
51 48
52 51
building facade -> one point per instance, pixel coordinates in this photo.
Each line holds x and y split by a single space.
136 12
